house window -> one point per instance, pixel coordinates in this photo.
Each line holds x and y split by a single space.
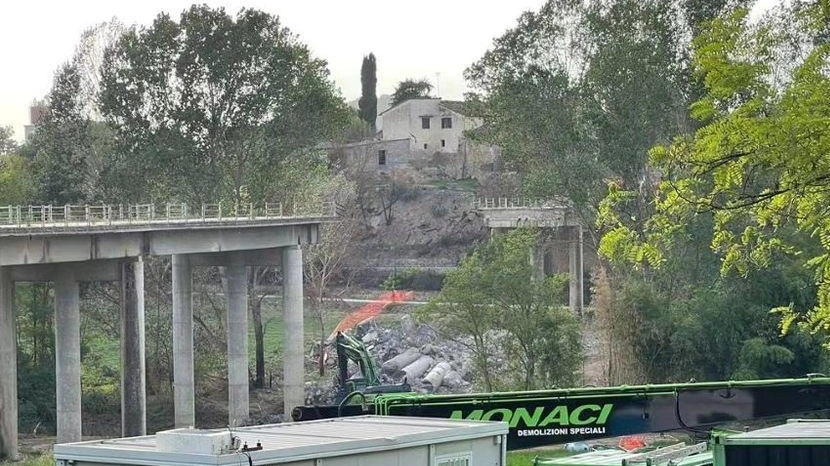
424 122
446 122
425 146
443 143
381 157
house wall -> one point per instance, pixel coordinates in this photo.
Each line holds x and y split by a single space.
399 154
404 139
404 121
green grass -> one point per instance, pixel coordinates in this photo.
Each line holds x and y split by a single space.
275 329
525 458
45 459
467 185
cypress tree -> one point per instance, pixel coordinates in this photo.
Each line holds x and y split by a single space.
368 103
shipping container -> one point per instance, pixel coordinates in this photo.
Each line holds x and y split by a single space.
799 442
352 441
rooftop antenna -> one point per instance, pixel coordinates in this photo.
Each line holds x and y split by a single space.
438 84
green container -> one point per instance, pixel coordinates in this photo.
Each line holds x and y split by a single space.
674 455
799 442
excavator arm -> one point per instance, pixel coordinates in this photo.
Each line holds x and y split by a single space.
352 349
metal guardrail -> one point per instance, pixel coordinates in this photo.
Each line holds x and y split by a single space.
519 203
40 217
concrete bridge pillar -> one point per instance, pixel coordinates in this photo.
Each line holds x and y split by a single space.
67 356
237 294
576 287
8 368
183 379
293 368
133 378
537 260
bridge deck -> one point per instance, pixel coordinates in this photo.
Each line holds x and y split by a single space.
52 220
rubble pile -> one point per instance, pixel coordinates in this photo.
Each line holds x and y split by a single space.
407 351
415 353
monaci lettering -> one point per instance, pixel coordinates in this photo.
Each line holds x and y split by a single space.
542 416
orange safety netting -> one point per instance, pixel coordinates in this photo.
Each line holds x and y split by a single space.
632 443
372 310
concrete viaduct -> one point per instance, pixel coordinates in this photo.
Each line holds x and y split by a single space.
67 245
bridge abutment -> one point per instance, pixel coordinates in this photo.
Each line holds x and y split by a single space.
553 218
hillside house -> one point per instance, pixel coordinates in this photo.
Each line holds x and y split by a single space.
426 135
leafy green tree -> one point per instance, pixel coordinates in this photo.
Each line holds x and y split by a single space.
757 166
16 184
492 304
368 102
72 148
57 148
7 142
215 107
411 89
578 92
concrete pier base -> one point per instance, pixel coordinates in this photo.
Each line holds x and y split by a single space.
67 356
133 378
8 368
183 379
293 369
237 293
576 287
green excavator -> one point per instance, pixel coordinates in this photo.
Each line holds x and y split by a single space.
368 381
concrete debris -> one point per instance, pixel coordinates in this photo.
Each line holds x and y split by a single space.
435 377
370 337
396 364
417 368
398 346
453 380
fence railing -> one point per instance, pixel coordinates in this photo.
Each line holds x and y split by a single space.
519 203
79 216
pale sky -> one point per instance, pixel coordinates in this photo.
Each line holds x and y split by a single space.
409 38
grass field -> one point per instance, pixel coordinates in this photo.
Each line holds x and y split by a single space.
525 458
42 460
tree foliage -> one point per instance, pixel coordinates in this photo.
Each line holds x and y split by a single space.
72 148
16 183
520 335
411 89
215 107
368 103
758 165
8 144
578 92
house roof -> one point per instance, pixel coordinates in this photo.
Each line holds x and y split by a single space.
456 106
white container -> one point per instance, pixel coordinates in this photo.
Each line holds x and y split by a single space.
349 441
